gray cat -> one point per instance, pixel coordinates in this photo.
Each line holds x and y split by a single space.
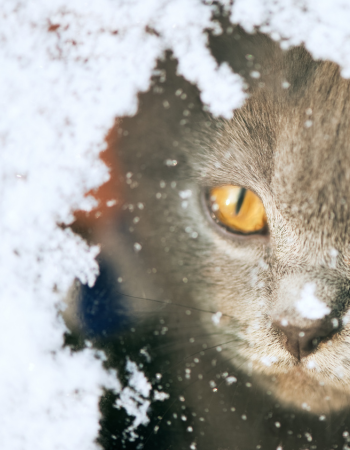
234 252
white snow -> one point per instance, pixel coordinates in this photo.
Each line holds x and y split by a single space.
157 395
231 379
136 399
216 317
311 364
268 360
138 380
322 25
67 70
185 194
309 306
135 405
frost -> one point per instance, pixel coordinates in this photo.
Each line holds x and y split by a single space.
309 306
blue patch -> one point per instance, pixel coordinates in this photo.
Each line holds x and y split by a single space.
101 307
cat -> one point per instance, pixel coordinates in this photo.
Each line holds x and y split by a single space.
249 329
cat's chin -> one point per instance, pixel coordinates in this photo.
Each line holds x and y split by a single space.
300 390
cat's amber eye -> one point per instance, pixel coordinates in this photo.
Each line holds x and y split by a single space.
238 209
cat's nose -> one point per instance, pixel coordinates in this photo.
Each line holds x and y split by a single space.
300 342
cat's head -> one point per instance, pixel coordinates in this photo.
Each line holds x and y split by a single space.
283 287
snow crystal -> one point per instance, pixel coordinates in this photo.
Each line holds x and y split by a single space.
135 405
311 364
137 247
136 398
309 306
346 318
268 360
145 353
157 395
335 322
216 317
231 379
138 380
333 256
185 194
110 203
170 162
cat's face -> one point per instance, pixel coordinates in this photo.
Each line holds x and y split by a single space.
283 294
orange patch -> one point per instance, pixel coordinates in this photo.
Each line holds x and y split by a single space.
108 195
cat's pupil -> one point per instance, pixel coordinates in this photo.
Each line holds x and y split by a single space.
240 200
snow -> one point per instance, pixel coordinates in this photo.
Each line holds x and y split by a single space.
268 360
67 70
138 380
157 395
185 194
231 379
136 398
311 364
216 317
135 405
321 25
309 306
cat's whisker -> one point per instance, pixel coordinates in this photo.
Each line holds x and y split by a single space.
182 341
200 351
191 308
